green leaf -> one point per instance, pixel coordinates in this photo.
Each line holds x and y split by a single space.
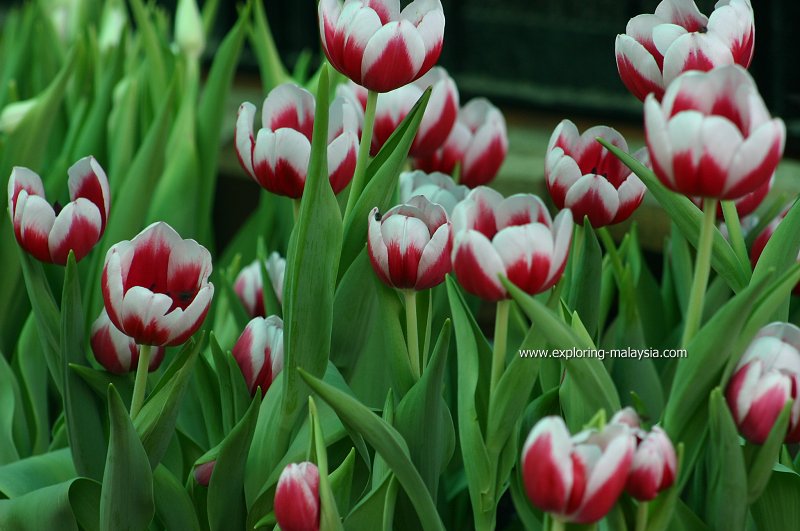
30 362
586 267
10 412
126 500
371 510
82 409
36 472
174 508
64 506
386 441
329 513
727 488
341 480
226 502
762 458
381 178
688 218
272 71
153 49
777 507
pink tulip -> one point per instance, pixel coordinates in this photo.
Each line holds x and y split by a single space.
259 352
297 506
249 285
654 465
115 351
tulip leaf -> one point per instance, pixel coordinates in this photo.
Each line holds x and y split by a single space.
174 508
156 421
36 472
126 500
688 218
370 512
237 310
30 362
422 418
99 380
329 513
70 505
272 71
777 507
381 181
10 413
762 458
473 352
727 485
386 441
311 271
153 46
226 500
271 304
82 409
341 481
586 266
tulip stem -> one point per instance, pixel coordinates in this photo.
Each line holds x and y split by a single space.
735 233
363 153
296 209
500 342
702 267
412 335
641 516
139 385
558 525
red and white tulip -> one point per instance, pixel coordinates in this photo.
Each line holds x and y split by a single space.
155 286
259 352
115 351
50 232
437 121
576 478
478 143
436 187
277 155
249 286
378 45
712 135
657 48
202 472
514 237
654 465
586 178
297 505
409 246
766 378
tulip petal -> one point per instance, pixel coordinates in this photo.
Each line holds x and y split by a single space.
88 180
521 209
547 468
244 138
435 261
393 57
33 221
638 68
289 106
378 252
694 51
595 197
477 265
757 158
78 228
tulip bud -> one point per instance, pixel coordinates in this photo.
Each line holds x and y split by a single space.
627 416
189 33
767 376
113 21
577 479
410 245
250 288
259 352
435 187
14 113
653 466
115 351
202 473
583 176
297 506
712 135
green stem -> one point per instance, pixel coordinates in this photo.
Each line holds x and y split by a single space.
357 185
613 254
500 342
142 368
296 209
694 311
412 336
558 525
641 516
735 233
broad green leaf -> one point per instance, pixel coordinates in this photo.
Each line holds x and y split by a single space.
727 489
370 510
688 219
174 508
341 481
329 513
272 71
70 505
777 507
781 250
10 410
126 500
586 267
386 441
36 472
153 48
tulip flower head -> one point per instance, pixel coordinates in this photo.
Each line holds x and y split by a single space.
50 232
115 351
297 506
202 472
437 122
155 286
577 479
436 187
767 376
654 465
514 237
277 155
745 205
657 48
409 246
586 178
379 46
712 135
478 143
259 352
249 285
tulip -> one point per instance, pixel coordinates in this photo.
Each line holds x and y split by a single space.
115 351
297 506
249 285
189 32
436 187
586 178
514 237
437 121
202 472
50 232
653 467
259 352
377 45
410 245
677 38
712 135
478 143
577 479
766 378
628 417
277 156
156 288
748 203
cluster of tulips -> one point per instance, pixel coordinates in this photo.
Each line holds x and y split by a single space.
710 140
